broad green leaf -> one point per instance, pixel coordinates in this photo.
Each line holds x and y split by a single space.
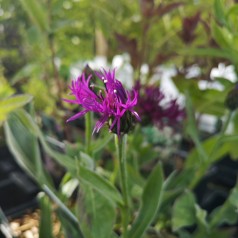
222 36
25 148
45 229
201 216
227 213
184 211
178 179
224 214
101 185
233 198
29 123
149 203
37 12
9 104
96 208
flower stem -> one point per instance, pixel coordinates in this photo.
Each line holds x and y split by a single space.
121 154
88 132
204 166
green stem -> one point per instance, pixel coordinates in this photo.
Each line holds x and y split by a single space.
207 163
88 132
121 154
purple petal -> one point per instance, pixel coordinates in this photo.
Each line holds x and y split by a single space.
100 123
70 101
76 116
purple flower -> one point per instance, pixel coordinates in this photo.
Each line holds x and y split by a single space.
114 104
156 108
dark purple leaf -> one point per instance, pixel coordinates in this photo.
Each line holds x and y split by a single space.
130 46
147 7
189 27
163 9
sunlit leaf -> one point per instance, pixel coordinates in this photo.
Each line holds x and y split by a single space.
9 104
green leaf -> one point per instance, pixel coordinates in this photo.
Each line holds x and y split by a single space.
227 213
184 211
68 220
201 216
71 229
219 11
233 198
149 204
32 128
37 12
24 146
24 72
101 142
5 89
9 104
211 52
222 36
100 184
45 229
96 208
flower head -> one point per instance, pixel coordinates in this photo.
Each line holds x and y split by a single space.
156 108
114 104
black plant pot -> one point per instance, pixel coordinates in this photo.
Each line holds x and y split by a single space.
18 191
215 187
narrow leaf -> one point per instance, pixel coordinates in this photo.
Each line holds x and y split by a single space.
45 229
219 12
100 184
37 13
67 218
149 204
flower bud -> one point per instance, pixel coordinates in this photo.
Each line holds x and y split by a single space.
127 124
231 101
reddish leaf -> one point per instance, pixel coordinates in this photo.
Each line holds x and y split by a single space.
161 58
130 46
164 9
147 7
189 27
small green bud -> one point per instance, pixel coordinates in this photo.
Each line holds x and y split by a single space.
127 123
231 101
